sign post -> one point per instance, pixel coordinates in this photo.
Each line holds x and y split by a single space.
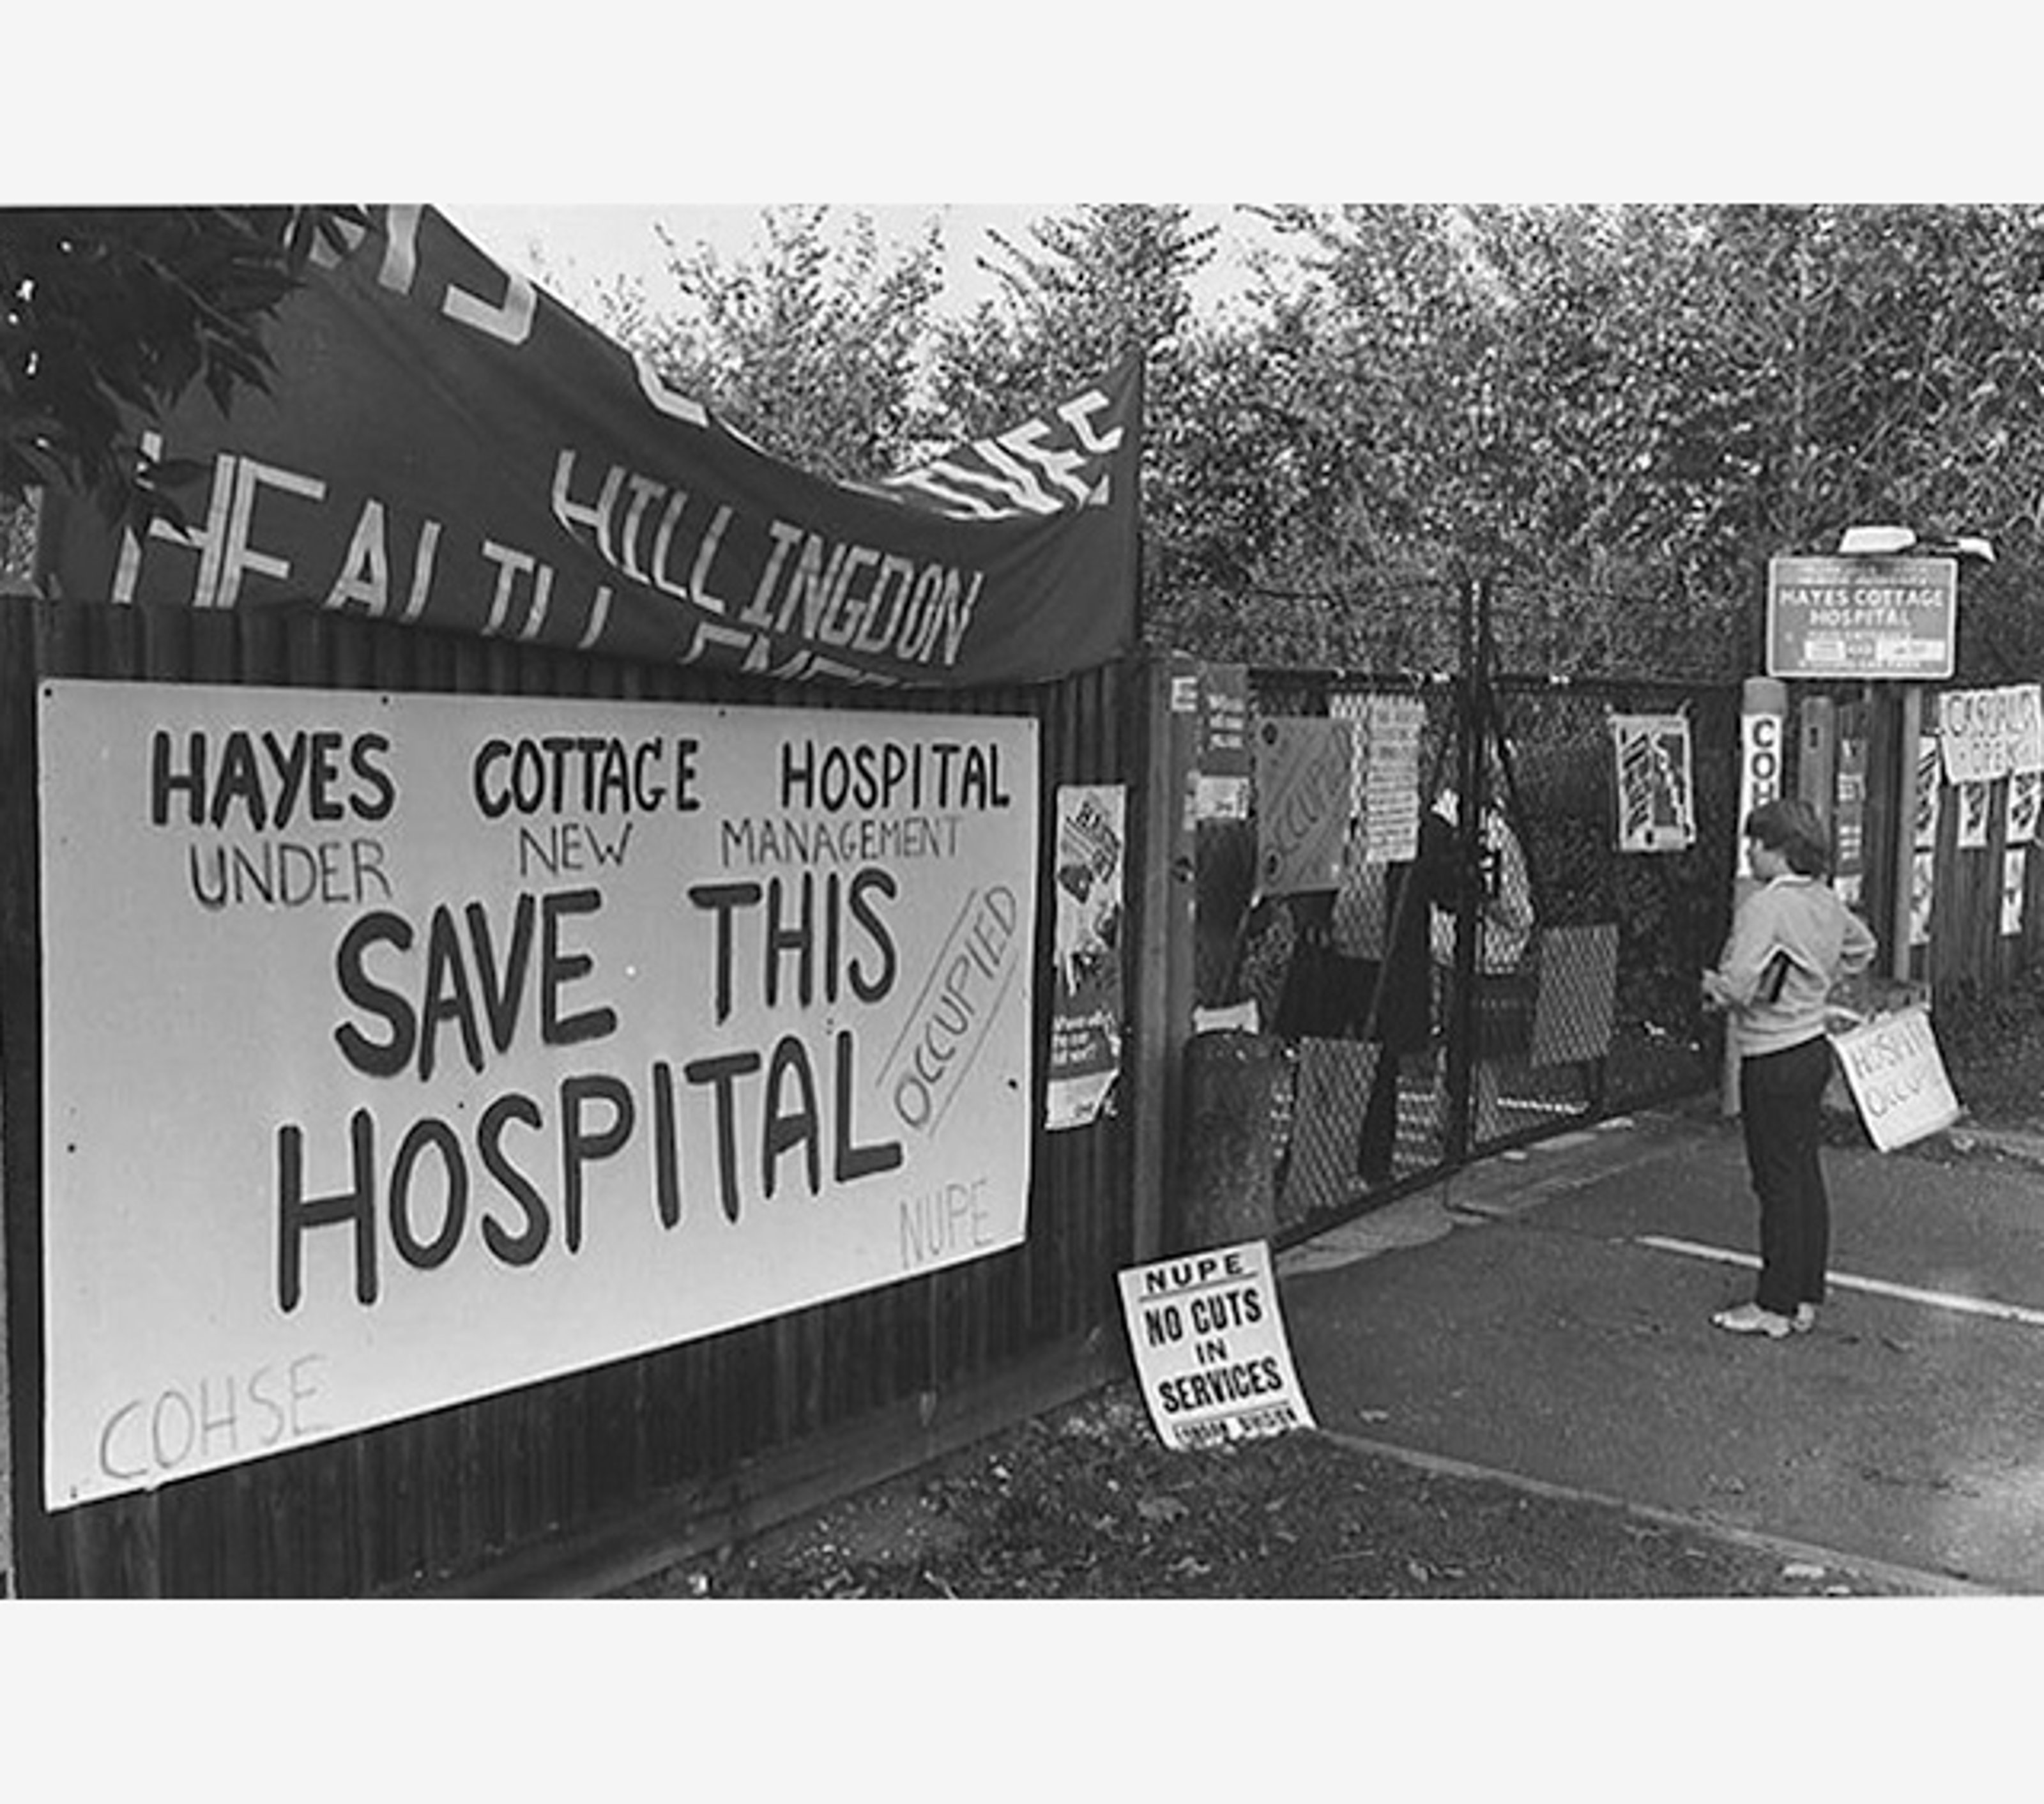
1865 617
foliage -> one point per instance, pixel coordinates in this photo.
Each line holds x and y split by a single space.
811 348
1626 405
1078 294
1617 412
1231 466
109 315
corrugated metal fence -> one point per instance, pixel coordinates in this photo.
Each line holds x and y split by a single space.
683 1446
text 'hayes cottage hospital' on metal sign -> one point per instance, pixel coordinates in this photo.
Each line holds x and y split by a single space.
1862 616
400 1050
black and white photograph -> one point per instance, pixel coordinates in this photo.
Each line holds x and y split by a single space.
633 971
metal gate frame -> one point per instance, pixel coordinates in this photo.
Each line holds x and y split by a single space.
1478 716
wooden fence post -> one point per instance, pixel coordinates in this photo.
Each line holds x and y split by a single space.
1165 703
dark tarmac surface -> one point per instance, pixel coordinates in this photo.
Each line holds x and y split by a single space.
1546 1318
1518 1394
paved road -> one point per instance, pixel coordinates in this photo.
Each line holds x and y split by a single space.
1548 1317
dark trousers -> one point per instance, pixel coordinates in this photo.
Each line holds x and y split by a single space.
1781 1101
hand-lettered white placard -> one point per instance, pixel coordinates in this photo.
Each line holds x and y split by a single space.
1892 1067
1986 733
1302 803
399 1050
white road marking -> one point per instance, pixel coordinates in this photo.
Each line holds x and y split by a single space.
1879 1287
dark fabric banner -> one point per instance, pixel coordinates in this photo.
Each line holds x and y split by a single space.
444 444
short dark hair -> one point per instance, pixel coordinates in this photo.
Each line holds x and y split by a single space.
1791 826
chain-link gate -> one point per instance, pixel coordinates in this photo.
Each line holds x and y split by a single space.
1521 976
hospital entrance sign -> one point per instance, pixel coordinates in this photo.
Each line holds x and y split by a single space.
1858 618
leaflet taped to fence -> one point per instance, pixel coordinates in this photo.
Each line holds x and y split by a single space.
1392 726
1087 890
1211 1353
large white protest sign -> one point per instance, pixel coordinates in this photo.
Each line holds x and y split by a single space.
399 1050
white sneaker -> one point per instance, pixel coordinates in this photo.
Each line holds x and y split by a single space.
1805 1317
1750 1318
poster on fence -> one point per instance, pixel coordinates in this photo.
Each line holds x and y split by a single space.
1302 802
1849 821
1923 859
2026 733
2015 860
1220 785
1973 798
1087 889
1922 896
1657 806
1986 733
1392 725
1211 1351
1927 790
2026 788
1897 1078
402 1049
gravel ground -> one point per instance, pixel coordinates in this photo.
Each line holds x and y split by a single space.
1087 1503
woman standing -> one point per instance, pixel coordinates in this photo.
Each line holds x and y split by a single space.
1792 939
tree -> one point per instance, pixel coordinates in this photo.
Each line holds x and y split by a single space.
1903 347
1076 293
109 315
811 348
1627 405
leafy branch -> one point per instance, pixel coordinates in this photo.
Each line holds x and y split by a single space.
109 315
